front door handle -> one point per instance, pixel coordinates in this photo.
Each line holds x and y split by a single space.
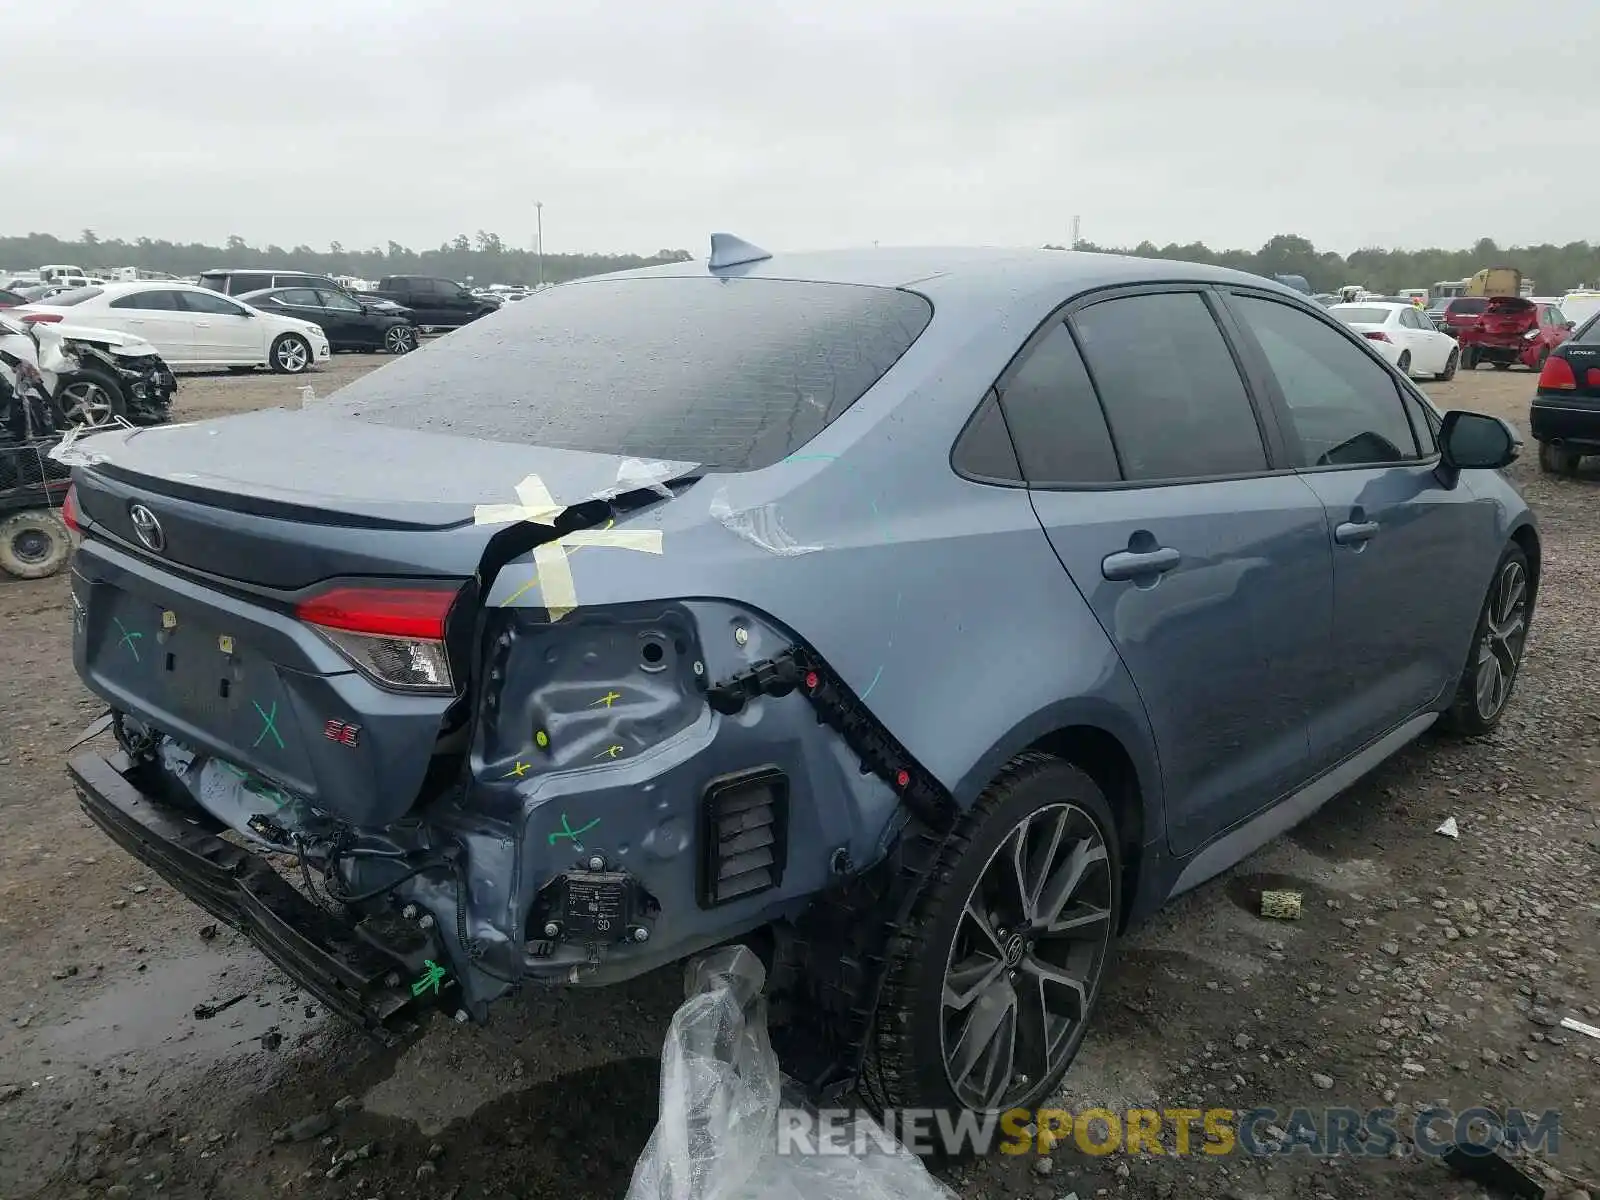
1139 564
1355 533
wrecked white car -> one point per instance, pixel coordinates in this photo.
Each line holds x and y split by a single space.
97 376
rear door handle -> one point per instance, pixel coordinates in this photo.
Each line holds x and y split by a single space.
1130 564
1355 533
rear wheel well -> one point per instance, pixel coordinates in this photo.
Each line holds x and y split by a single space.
1525 537
1102 757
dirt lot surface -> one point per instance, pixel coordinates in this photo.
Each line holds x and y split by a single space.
1423 970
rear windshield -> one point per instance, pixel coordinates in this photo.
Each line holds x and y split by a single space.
732 374
73 296
1589 332
1471 304
1362 316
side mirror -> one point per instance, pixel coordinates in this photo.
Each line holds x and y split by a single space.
1470 441
1569 324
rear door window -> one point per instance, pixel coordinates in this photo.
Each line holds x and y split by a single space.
156 301
1173 396
733 374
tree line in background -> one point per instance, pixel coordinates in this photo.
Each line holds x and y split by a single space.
1553 269
487 259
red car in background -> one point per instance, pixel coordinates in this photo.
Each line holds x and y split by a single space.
1511 330
1457 313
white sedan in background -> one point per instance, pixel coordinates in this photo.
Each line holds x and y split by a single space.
1404 335
189 326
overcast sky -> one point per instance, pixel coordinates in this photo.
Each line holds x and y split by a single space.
645 125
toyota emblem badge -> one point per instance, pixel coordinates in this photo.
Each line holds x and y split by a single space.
147 529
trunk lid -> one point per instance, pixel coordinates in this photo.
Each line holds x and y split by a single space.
282 500
198 634
1507 317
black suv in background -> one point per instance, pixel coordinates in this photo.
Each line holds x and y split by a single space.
233 282
435 303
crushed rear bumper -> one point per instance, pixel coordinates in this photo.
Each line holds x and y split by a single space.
324 954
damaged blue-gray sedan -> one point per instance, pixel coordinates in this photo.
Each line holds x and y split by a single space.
920 618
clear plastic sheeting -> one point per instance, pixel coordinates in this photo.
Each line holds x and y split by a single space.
759 526
722 1098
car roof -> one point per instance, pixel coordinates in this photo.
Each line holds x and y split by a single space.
991 273
263 271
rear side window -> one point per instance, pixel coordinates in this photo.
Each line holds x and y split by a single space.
215 280
1172 394
733 374
984 449
1053 414
75 296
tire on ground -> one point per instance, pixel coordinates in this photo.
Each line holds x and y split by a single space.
34 544
905 1065
1463 718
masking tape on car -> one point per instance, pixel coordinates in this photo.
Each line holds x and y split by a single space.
534 503
553 573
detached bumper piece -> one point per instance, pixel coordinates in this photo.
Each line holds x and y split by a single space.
320 952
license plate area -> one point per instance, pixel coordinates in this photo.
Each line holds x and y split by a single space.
191 677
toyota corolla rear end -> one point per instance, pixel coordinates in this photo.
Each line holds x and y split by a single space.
372 708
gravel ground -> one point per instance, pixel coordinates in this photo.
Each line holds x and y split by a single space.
1423 970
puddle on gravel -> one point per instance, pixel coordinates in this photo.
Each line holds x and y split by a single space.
144 1023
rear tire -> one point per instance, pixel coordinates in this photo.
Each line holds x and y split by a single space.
34 544
1404 365
1450 365
1553 460
1469 360
1024 974
1498 641
400 339
291 355
1502 366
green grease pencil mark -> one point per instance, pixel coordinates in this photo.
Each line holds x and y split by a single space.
269 724
568 832
429 980
129 637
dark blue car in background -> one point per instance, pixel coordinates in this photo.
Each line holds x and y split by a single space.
922 617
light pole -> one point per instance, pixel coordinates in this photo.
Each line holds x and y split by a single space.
538 245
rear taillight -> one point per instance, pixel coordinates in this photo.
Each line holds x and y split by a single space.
1557 375
394 635
39 318
69 510
1376 335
